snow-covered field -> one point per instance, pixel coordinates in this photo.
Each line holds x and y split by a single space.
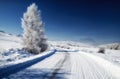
10 49
110 54
73 60
71 65
8 41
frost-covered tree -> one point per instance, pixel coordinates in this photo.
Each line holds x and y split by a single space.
33 36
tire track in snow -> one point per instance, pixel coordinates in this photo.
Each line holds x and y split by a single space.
54 67
80 65
84 67
62 64
97 69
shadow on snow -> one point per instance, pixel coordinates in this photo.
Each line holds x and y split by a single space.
39 74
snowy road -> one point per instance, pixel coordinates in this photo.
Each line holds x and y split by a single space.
70 65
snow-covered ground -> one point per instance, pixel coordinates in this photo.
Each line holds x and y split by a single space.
110 54
9 41
10 49
71 65
83 62
11 56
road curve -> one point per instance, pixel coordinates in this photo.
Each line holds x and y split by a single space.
70 65
8 70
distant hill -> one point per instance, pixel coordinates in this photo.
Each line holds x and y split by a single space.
2 31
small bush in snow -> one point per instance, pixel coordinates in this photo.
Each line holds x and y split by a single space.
117 47
101 50
33 37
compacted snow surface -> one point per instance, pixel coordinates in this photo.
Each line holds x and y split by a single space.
70 65
72 60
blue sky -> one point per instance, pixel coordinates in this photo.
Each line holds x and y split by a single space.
85 21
